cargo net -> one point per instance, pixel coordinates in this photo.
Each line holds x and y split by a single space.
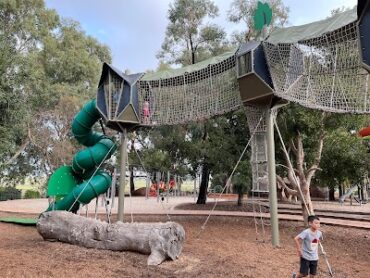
256 117
321 73
190 97
116 88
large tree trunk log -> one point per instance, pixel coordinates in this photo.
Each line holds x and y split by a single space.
160 240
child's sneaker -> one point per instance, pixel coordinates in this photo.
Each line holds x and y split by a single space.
294 275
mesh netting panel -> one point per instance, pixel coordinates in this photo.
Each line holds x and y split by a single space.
321 73
256 117
114 97
190 97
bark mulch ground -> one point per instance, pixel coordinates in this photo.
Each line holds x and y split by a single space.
227 247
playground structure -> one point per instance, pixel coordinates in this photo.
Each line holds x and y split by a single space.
322 65
66 184
350 192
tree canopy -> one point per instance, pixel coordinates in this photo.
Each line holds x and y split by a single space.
49 66
188 38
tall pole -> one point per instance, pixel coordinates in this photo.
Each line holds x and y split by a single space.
122 181
272 177
147 186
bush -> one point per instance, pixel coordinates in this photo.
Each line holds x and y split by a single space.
32 194
218 188
9 193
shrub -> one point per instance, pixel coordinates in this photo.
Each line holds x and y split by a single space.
32 194
9 193
218 188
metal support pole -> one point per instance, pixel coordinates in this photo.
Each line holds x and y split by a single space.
158 184
272 177
147 180
122 181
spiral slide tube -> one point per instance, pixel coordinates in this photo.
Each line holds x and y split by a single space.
85 162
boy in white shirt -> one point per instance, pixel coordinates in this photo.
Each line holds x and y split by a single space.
307 246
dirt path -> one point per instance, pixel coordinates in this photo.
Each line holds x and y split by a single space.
226 248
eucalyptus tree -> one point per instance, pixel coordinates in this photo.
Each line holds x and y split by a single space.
49 67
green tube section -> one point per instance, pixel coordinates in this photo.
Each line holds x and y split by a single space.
85 192
85 163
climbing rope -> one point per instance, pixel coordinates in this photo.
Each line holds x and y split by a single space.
142 165
83 189
228 182
291 167
260 216
132 216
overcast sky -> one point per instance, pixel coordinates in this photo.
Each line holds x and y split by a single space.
134 29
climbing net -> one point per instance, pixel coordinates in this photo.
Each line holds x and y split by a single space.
256 117
190 96
323 72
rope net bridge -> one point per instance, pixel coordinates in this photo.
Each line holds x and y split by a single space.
322 65
319 66
193 93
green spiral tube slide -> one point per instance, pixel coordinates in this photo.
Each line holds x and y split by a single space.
74 185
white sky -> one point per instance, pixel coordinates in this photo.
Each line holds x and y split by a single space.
135 29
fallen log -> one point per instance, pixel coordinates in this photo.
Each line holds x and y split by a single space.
160 240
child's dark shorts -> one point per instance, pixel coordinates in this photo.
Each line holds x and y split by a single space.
308 266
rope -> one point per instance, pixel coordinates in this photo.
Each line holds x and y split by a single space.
79 195
229 179
96 207
142 165
254 217
262 223
132 217
106 208
256 224
291 166
259 203
102 126
301 193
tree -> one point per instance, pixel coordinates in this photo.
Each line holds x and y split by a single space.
243 11
189 40
71 63
52 67
164 149
23 27
345 157
242 180
304 132
226 139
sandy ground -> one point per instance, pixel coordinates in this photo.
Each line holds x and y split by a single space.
133 204
227 247
141 205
